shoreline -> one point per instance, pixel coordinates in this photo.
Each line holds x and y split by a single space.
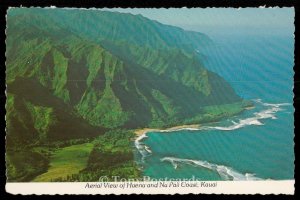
140 134
249 107
143 131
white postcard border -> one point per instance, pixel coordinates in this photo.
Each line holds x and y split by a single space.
159 187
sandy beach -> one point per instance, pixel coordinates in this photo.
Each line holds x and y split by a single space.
142 131
250 108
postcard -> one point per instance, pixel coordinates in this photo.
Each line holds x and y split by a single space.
150 101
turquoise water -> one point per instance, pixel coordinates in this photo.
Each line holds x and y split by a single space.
257 144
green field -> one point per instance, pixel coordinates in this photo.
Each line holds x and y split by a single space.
66 161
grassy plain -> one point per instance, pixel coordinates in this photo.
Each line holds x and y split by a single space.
66 161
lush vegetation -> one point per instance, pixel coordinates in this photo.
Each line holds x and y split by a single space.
66 161
73 75
25 165
218 112
75 160
132 29
112 156
26 162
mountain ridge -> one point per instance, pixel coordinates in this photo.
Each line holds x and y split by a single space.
109 83
90 28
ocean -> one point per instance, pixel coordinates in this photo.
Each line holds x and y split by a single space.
255 145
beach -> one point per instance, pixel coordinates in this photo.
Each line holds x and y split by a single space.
143 131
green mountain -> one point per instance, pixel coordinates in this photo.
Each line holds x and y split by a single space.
77 73
118 27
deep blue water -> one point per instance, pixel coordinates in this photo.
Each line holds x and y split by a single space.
256 144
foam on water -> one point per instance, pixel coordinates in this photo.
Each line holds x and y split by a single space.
226 173
271 104
180 129
143 149
268 112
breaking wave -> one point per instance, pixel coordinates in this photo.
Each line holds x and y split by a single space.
226 173
141 147
268 111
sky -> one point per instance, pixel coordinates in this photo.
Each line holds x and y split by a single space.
223 20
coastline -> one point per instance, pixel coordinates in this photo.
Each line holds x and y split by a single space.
143 131
249 108
141 134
